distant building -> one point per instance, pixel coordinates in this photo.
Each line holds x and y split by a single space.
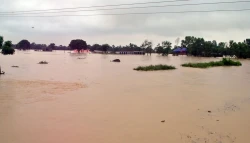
130 52
180 51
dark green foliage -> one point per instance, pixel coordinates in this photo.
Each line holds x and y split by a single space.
248 42
200 47
159 49
1 42
113 48
154 68
52 46
147 46
105 48
78 45
229 62
223 62
95 47
23 45
38 47
7 48
164 48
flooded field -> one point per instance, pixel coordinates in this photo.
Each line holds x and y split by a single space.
93 100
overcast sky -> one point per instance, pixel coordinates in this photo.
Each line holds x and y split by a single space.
122 30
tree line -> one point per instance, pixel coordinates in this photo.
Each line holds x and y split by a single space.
146 47
195 47
202 48
26 45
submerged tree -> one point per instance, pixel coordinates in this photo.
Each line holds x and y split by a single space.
147 45
78 45
164 48
52 46
23 45
200 47
159 49
7 48
1 42
248 42
105 48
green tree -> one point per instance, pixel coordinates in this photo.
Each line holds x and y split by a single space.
200 47
214 43
23 45
248 42
52 46
188 43
244 50
166 47
96 47
133 47
207 49
7 48
159 49
189 40
78 45
147 46
1 41
105 48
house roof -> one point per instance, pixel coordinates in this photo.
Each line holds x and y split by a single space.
180 49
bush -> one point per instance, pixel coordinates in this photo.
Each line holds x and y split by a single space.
223 62
229 62
154 68
8 50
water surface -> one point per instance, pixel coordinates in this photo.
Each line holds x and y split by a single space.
94 100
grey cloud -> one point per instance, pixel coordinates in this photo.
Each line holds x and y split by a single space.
121 29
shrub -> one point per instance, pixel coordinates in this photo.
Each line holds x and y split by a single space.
223 62
7 49
154 68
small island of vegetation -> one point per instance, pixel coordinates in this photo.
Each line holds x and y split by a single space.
154 68
223 62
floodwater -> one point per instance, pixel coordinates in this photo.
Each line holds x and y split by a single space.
93 100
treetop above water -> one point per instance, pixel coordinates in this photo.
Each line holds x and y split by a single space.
223 62
154 68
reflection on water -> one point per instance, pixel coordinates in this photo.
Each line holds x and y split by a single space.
94 100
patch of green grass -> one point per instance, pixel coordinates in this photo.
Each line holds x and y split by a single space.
154 68
223 62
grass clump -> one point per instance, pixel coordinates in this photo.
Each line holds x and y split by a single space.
223 62
154 68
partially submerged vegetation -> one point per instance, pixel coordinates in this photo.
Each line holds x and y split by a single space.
116 60
1 72
7 48
154 68
223 62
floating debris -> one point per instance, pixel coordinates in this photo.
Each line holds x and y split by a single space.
43 62
80 58
116 60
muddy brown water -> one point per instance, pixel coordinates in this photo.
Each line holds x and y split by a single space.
93 100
